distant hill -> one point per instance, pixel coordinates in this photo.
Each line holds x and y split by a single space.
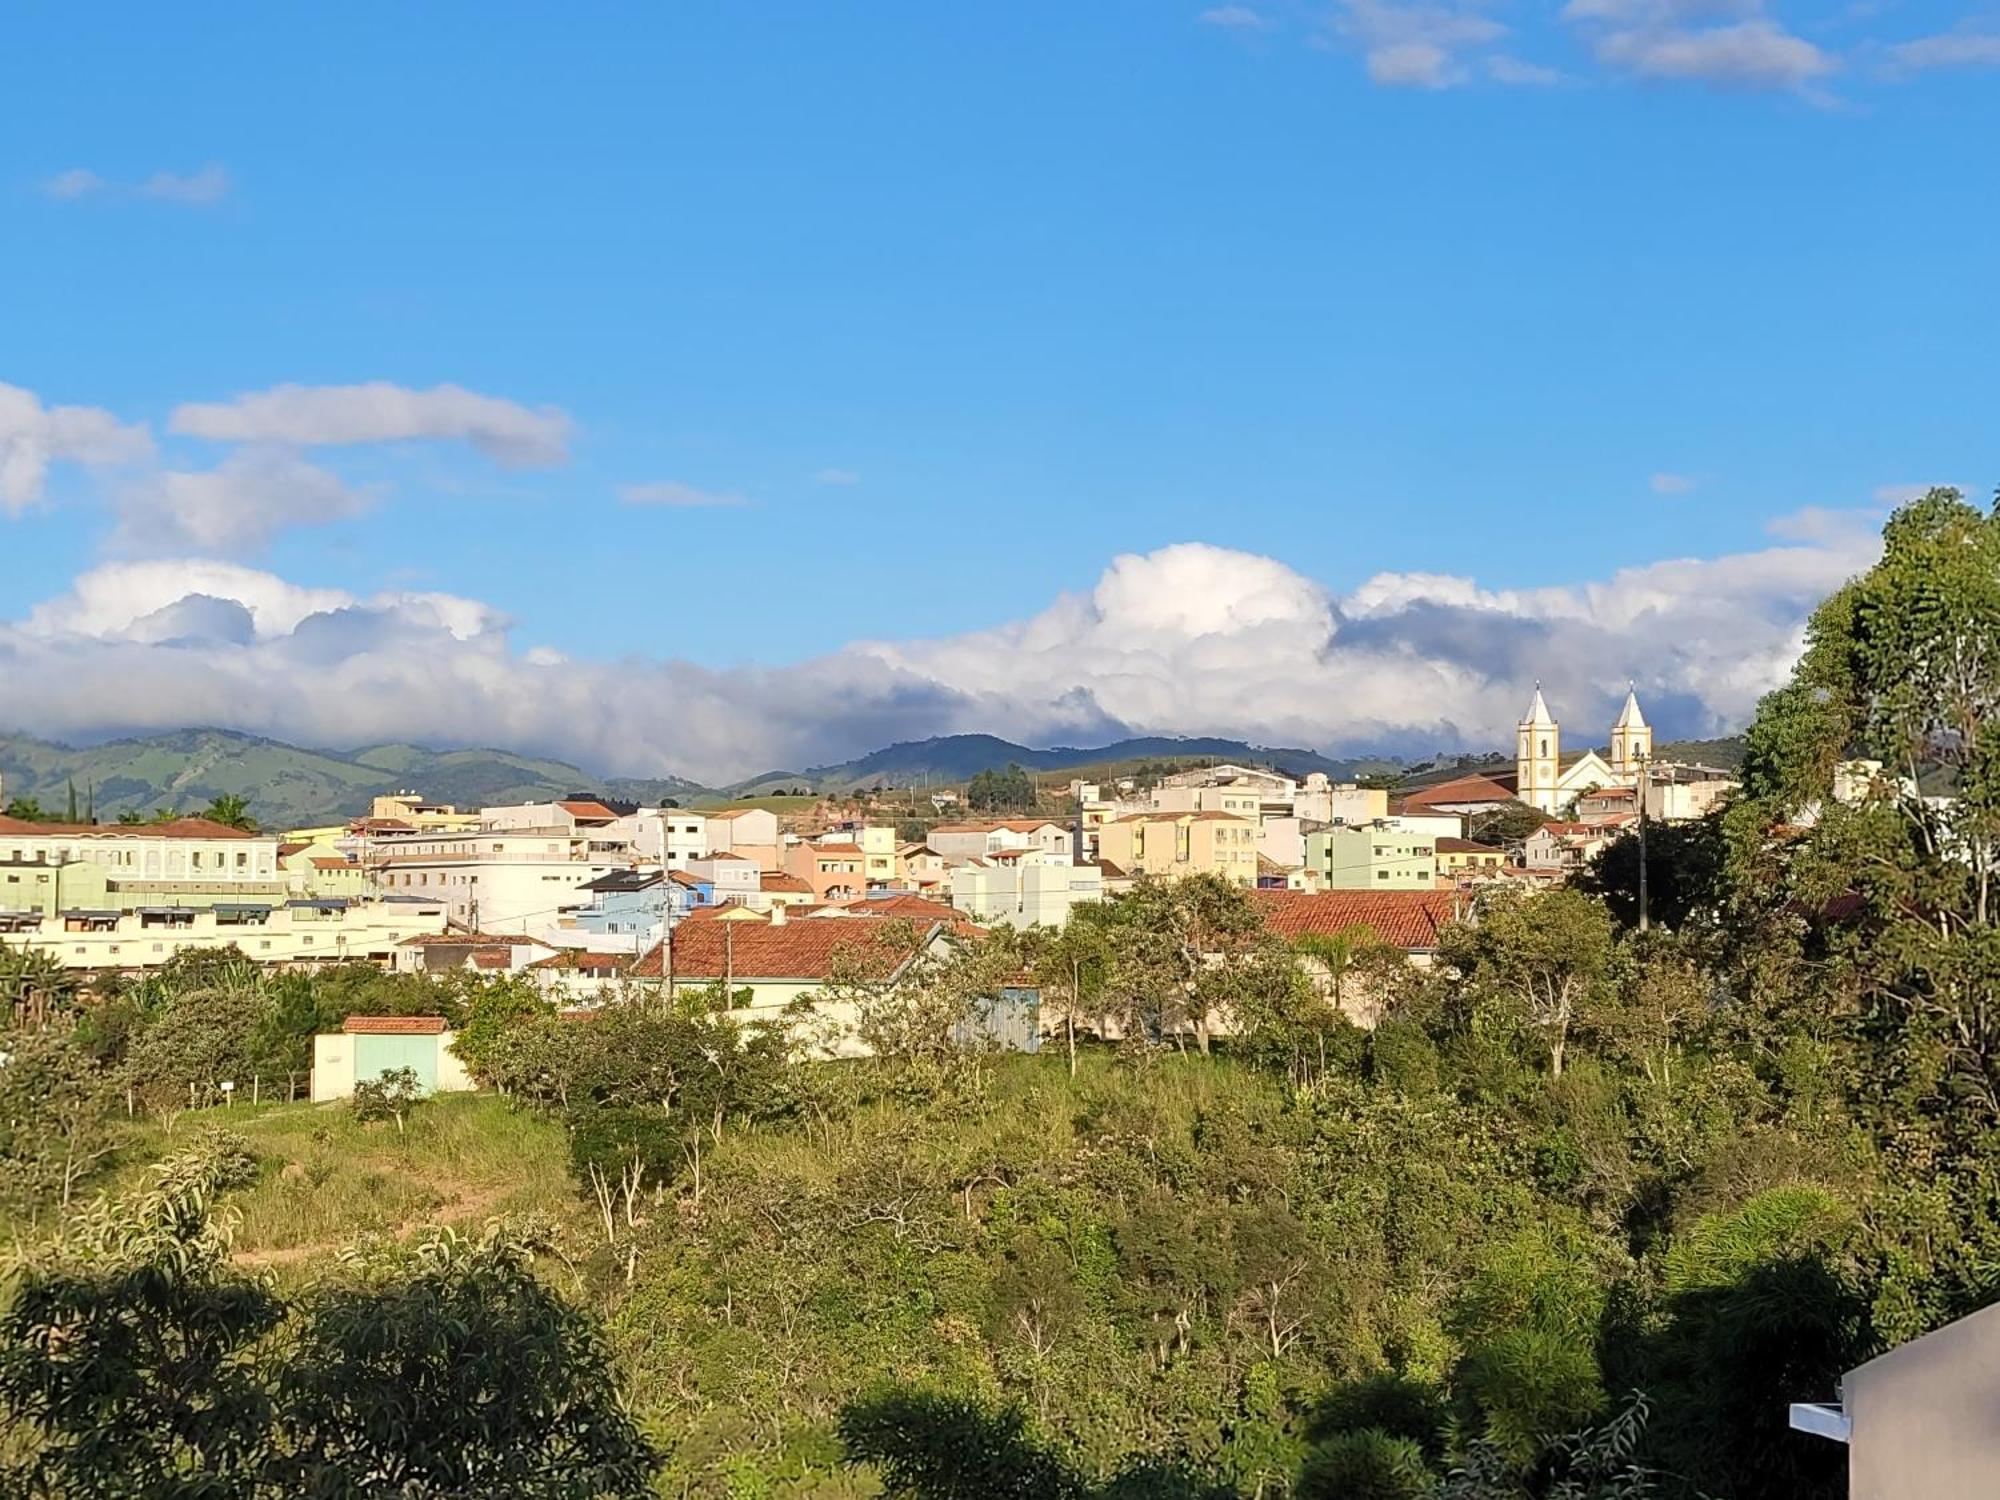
285 785
959 757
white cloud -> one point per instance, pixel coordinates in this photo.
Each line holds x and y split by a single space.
34 436
237 506
1417 43
836 477
1671 484
1727 43
1518 73
198 189
304 416
209 185
1188 639
674 495
77 182
1234 18
1951 49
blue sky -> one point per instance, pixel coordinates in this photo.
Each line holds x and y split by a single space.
963 303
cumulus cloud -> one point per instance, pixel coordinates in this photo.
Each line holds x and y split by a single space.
1726 43
33 437
673 495
1417 43
238 506
1189 639
199 189
1965 48
302 416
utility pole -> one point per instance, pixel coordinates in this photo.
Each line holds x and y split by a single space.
1645 783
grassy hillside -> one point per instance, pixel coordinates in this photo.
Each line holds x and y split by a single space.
285 785
957 758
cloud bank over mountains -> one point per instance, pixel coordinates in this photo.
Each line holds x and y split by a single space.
1192 639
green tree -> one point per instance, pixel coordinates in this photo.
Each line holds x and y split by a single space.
54 1130
127 1354
1543 960
391 1095
1364 1464
1011 790
231 811
452 1371
1684 868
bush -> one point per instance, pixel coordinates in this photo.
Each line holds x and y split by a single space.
392 1096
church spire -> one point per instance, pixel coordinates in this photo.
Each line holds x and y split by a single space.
1539 716
1630 717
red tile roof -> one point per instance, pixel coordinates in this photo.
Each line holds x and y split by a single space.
491 958
1408 919
589 811
473 940
578 961
843 851
393 1025
1464 846
778 880
178 828
327 862
1461 789
795 949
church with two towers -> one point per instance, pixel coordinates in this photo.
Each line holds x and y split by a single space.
1546 784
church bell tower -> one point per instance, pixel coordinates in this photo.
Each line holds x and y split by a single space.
1537 756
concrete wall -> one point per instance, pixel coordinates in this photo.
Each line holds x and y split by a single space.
335 1055
1925 1418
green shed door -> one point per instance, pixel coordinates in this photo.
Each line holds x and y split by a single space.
376 1055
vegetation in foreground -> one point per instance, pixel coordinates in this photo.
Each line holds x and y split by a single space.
1578 1218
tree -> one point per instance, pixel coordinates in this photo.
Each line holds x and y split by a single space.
452 1371
1364 1464
391 1095
127 1353
1684 867
1506 826
1184 954
1011 790
1544 957
54 1101
1070 964
35 987
231 811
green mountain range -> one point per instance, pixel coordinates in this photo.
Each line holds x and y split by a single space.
285 786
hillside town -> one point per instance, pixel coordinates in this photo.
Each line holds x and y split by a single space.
580 892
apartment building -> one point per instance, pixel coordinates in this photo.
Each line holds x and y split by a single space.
1030 887
1170 845
311 932
1375 856
509 878
970 840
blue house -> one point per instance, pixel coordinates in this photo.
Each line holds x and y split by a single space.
629 903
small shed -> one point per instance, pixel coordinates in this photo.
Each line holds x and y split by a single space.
366 1047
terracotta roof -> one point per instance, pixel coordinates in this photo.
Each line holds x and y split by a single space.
842 850
1408 919
778 880
905 905
287 850
1496 788
590 811
328 862
178 828
681 877
1464 846
578 961
492 958
1110 868
784 950
393 1025
473 940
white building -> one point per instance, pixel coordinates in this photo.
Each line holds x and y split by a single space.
495 880
311 932
1021 889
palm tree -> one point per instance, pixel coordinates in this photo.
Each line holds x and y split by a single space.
34 986
232 812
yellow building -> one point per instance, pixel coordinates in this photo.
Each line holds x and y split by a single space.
1463 859
1168 845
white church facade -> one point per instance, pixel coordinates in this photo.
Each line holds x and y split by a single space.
1546 784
